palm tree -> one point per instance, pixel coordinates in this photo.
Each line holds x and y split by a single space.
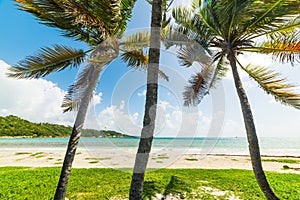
229 28
96 22
144 148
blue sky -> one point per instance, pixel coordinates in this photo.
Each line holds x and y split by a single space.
119 99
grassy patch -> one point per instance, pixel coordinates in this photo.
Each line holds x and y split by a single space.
58 163
191 159
90 158
37 154
22 153
97 183
160 156
291 161
94 161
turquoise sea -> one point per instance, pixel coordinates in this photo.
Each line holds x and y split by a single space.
230 146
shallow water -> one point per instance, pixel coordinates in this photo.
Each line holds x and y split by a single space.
231 146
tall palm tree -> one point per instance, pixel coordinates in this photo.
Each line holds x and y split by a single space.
96 22
229 28
145 144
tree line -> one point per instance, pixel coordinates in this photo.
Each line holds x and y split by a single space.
14 126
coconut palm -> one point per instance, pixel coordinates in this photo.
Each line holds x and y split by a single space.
96 22
144 148
229 28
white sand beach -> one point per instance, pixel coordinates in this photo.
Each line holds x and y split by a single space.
125 159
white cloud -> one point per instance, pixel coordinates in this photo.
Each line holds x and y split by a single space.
37 100
114 118
122 105
170 121
142 94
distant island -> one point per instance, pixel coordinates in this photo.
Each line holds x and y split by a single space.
13 126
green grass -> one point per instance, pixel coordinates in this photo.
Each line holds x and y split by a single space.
160 156
17 183
191 159
90 158
291 161
94 161
37 154
22 153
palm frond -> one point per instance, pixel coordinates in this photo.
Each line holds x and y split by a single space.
135 58
285 47
126 13
192 27
138 59
198 87
193 53
104 14
175 36
105 52
52 13
83 16
182 15
220 71
101 56
46 61
89 21
265 17
136 41
78 90
272 83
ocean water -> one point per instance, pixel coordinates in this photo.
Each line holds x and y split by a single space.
230 146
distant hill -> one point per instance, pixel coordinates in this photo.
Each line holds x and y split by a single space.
13 126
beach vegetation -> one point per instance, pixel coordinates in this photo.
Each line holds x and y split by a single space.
22 153
160 156
37 154
227 29
13 126
191 159
93 161
101 183
280 160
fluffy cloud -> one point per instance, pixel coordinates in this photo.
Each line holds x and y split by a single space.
170 121
37 100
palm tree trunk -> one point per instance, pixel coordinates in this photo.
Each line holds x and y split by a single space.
251 133
61 189
142 156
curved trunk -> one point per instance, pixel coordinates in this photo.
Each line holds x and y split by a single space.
251 134
142 156
76 133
